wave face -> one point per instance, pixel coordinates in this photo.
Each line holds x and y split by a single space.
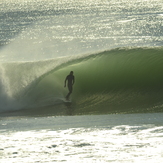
116 81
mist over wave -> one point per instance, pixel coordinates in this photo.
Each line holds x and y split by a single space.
37 30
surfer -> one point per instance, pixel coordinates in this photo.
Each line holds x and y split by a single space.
71 80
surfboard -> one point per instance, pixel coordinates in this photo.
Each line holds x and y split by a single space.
66 101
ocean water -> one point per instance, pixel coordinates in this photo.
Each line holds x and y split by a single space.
86 138
114 48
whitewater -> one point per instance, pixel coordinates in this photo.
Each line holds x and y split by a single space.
115 50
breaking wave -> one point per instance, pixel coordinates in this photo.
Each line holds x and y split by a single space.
121 80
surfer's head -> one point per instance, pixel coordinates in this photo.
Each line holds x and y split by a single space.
71 72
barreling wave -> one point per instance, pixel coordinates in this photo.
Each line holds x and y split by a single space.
125 80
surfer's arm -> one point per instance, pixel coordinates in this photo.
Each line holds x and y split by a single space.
73 81
65 81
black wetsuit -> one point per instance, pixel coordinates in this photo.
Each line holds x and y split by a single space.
70 78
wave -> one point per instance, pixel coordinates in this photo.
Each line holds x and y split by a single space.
122 80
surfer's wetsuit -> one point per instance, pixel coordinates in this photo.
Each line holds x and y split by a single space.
71 80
